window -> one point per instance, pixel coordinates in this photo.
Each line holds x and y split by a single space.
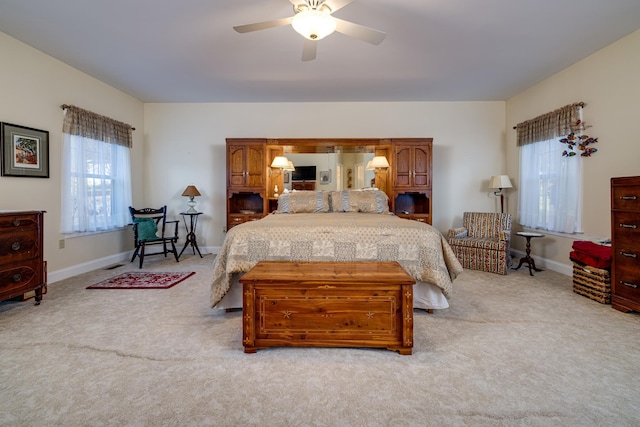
550 183
550 188
96 181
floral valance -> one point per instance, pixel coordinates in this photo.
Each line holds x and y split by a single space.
95 126
560 122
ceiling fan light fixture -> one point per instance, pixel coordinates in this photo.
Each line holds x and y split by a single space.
313 24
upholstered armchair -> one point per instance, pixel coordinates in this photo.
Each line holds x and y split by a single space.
483 242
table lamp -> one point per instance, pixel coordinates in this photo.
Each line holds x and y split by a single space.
191 191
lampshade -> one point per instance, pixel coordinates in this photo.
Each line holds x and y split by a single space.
280 162
369 167
290 168
191 191
379 162
500 182
313 24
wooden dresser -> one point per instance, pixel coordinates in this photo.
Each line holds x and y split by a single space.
327 304
625 243
22 268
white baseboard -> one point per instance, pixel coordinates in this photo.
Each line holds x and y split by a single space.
566 269
74 270
65 273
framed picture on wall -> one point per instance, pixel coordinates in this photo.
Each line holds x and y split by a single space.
287 177
25 151
325 177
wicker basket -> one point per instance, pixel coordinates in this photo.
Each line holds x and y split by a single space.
591 282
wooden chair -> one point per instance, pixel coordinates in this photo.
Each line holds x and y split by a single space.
150 227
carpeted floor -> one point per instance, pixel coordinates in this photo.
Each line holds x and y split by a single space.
511 350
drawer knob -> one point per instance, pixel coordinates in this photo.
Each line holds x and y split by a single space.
632 226
15 246
16 222
631 285
628 197
16 277
628 254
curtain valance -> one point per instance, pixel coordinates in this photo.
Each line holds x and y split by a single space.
555 124
95 126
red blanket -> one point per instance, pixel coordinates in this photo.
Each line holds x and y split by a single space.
592 254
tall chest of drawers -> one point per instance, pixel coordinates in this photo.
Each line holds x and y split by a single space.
21 254
625 243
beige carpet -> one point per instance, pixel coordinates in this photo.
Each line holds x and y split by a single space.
511 351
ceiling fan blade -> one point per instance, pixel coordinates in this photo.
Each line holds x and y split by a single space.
360 32
337 4
309 49
263 25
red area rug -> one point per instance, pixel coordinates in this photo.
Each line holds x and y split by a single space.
142 280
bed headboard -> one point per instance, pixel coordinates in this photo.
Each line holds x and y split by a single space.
251 182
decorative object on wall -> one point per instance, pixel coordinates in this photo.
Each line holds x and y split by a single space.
25 151
191 191
581 141
500 182
325 177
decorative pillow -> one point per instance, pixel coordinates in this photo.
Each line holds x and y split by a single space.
147 228
367 201
304 202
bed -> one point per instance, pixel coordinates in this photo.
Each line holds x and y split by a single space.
350 225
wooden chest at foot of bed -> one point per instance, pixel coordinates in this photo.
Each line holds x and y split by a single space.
327 304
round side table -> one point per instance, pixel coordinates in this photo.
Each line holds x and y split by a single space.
191 232
527 258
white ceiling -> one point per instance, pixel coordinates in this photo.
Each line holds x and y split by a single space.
435 50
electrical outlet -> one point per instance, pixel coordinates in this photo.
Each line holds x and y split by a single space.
61 244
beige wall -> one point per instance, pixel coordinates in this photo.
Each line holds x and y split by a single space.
186 145
32 87
609 83
180 144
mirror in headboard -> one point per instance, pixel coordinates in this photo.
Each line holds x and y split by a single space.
336 164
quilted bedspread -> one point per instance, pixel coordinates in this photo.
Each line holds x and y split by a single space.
350 236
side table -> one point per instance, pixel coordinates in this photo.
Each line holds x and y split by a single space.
527 259
191 231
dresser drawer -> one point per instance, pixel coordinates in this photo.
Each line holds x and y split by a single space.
625 227
10 223
624 255
18 246
626 197
16 280
626 283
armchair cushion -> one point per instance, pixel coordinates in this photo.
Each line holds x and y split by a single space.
458 233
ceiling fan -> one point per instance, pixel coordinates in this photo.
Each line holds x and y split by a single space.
313 20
